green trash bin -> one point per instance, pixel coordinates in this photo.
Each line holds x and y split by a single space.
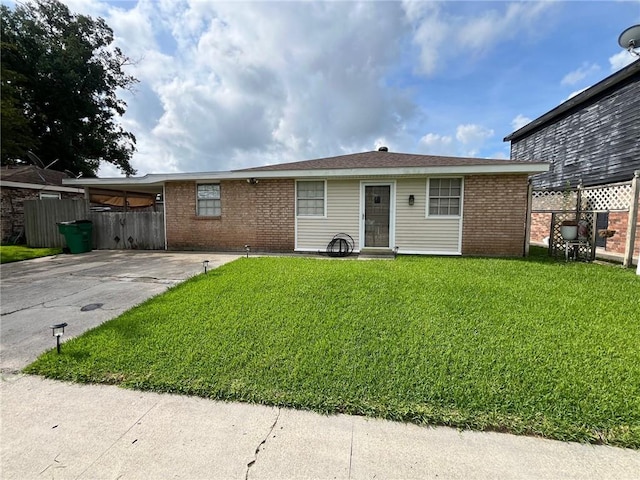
78 234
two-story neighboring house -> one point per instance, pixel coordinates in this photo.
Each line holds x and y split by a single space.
592 140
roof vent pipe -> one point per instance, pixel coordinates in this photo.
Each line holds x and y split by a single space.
383 149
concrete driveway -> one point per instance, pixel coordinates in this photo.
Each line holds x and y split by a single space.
82 290
53 429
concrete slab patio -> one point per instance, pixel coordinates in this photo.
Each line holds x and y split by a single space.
53 429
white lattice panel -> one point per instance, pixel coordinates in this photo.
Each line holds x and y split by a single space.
614 197
544 200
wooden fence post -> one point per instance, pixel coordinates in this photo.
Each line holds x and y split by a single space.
527 228
631 222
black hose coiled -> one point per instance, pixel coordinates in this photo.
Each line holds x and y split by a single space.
340 246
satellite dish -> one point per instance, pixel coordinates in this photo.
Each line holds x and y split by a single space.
34 159
630 39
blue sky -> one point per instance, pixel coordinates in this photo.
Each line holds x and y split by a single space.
227 85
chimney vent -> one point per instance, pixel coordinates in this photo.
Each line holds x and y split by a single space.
383 149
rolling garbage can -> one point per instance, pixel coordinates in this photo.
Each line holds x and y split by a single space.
78 234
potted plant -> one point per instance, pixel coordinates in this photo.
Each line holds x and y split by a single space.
569 229
606 233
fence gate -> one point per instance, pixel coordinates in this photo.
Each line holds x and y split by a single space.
128 230
111 230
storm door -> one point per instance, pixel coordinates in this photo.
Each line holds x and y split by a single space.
377 202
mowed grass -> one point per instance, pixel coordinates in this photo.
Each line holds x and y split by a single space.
523 346
16 253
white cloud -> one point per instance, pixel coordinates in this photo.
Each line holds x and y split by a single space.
473 137
468 141
435 144
577 92
519 122
579 74
441 35
621 60
303 81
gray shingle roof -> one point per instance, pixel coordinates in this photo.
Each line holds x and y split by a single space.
377 159
32 174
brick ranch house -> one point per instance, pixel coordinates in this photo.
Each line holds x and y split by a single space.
28 182
421 204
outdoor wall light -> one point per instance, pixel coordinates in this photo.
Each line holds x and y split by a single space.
205 265
252 181
58 330
247 249
412 199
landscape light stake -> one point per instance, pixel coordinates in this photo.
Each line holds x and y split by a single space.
58 330
205 264
247 249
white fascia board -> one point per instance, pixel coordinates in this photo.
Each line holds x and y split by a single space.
37 186
161 178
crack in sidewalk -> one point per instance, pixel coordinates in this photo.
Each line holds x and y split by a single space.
117 440
259 447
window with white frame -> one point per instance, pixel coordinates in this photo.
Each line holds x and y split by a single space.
444 196
310 198
50 195
209 200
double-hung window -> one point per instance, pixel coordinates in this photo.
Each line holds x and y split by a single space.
444 197
209 200
310 198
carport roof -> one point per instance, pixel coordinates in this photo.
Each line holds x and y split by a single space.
366 164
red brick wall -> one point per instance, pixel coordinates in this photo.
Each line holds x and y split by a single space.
260 215
495 210
618 221
540 227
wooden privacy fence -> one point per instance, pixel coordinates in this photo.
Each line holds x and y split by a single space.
41 217
128 230
111 230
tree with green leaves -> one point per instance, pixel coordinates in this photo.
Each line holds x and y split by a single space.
60 78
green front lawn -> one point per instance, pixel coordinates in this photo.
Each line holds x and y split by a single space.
524 346
16 253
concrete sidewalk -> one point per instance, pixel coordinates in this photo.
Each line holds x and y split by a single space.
57 430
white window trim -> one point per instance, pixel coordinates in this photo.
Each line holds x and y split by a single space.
197 200
324 215
427 215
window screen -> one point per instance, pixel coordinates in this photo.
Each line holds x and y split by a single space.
310 198
444 196
209 200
